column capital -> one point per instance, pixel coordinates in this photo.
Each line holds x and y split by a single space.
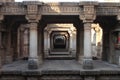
89 13
32 18
1 17
1 26
118 15
33 26
87 26
33 11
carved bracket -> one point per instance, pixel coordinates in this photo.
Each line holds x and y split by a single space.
32 9
33 18
33 12
88 13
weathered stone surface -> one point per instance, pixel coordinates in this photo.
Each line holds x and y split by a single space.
27 12
88 64
33 64
12 78
32 78
89 78
65 77
109 78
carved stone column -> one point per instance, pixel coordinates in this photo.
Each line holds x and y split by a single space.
87 61
33 47
0 37
88 16
33 16
0 44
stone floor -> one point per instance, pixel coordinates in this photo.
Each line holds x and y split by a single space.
59 65
60 70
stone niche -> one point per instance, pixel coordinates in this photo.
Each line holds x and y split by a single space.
60 41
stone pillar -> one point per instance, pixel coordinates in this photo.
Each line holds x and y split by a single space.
40 45
80 43
9 52
0 46
33 61
21 42
87 61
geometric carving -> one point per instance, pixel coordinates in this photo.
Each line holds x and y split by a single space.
89 13
107 10
32 13
7 0
32 9
60 9
12 9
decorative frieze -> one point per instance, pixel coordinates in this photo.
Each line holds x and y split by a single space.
7 0
12 78
13 9
85 11
60 9
107 10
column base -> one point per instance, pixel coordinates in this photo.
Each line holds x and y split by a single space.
9 59
80 59
33 63
88 63
0 62
40 60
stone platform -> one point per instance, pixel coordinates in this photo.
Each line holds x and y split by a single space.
60 70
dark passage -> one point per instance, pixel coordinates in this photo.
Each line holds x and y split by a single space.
59 42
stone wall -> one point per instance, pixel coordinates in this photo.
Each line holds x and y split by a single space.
60 77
